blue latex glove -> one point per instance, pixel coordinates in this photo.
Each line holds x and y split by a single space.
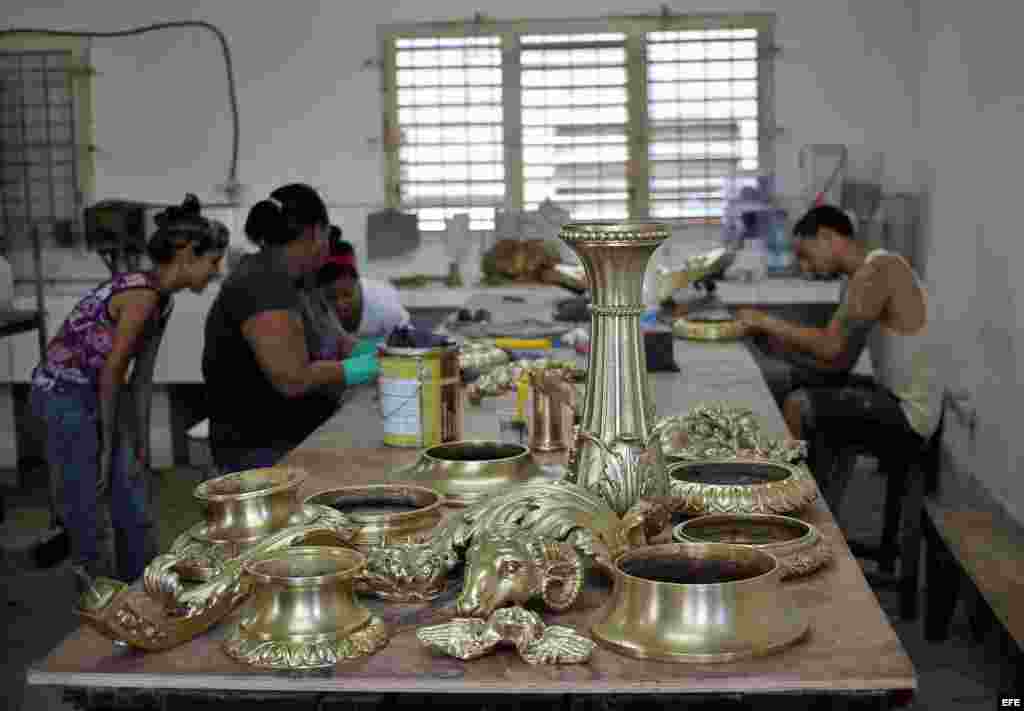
365 346
361 369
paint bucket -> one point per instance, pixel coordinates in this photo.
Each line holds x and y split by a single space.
420 398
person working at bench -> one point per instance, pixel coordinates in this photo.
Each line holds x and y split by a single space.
886 307
97 446
266 391
366 307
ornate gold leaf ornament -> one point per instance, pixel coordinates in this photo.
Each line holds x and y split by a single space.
721 462
548 521
537 643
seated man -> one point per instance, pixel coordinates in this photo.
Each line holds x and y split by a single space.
886 307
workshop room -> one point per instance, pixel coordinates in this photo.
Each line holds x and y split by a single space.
560 355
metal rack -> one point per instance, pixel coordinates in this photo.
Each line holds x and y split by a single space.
40 197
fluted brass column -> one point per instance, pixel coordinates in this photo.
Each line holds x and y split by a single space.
617 453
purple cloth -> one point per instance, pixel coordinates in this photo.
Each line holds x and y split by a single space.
80 349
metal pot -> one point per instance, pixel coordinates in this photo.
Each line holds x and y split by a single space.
385 514
465 472
244 507
698 602
304 613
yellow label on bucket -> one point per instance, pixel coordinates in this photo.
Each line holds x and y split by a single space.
410 399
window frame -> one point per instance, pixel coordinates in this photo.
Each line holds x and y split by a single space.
635 28
80 74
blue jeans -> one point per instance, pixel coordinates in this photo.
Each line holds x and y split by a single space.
71 414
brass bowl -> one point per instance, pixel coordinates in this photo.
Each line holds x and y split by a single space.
464 472
740 486
693 330
385 514
303 613
798 546
698 602
244 507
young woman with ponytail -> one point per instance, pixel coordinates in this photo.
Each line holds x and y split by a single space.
98 452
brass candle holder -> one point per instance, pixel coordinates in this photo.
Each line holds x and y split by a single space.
797 545
698 602
468 471
303 613
617 452
384 514
740 486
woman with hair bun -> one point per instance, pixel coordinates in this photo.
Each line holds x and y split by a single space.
80 382
266 388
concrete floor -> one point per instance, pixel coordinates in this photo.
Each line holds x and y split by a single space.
959 675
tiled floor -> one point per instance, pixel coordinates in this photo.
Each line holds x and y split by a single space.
959 675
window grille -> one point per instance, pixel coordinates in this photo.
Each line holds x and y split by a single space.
623 117
39 149
449 117
575 123
702 118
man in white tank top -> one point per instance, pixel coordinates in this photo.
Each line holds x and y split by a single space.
884 305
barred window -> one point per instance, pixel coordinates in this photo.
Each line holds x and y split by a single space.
45 163
623 117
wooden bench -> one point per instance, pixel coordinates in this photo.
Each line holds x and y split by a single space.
985 549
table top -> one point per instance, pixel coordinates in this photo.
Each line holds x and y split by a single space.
851 646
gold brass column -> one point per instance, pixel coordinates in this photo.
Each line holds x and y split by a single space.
617 451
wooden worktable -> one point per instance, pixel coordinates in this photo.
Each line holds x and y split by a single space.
851 650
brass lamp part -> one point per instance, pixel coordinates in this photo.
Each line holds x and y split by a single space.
169 611
708 330
617 452
537 643
243 507
536 514
303 613
797 545
467 471
698 602
385 513
481 355
554 410
740 485
199 581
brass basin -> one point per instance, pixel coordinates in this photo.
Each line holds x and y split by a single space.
465 472
740 485
798 546
698 602
303 613
244 507
385 514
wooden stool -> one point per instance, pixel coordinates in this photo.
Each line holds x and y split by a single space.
904 508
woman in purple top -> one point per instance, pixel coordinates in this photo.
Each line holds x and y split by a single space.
95 451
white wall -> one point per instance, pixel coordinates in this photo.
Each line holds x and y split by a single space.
969 139
311 111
